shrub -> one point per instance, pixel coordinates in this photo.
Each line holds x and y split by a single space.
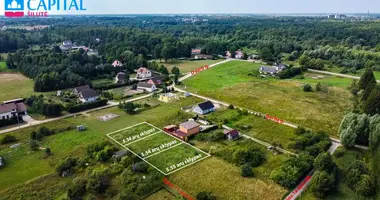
87 106
366 186
324 162
140 167
11 121
205 196
78 189
246 170
66 165
8 139
98 182
231 106
340 151
322 183
307 88
33 145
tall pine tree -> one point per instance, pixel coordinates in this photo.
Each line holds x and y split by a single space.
372 105
367 83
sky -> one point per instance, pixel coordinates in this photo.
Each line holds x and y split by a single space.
223 6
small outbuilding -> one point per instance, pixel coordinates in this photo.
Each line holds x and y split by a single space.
168 97
170 128
232 134
81 128
120 154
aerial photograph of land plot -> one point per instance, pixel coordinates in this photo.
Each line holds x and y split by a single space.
189 100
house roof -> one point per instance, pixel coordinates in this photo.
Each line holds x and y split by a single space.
268 69
21 107
121 76
195 50
144 85
117 63
232 133
81 88
156 79
142 70
189 125
206 105
4 108
89 93
120 153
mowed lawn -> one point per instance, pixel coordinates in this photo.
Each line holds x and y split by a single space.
186 65
14 85
284 99
23 165
224 180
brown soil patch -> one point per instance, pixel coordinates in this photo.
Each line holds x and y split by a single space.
7 77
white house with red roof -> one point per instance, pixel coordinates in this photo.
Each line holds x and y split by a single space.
196 51
143 73
117 63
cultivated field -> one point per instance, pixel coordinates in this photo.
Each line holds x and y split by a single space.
165 153
186 65
285 99
14 85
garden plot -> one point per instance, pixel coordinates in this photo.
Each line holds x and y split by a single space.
162 151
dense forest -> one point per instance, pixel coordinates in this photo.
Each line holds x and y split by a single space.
315 42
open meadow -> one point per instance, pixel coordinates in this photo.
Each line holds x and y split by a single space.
14 86
73 143
186 65
235 82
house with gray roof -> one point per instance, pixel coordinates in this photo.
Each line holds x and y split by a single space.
146 87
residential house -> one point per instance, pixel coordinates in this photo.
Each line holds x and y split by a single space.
190 127
228 54
79 89
268 70
67 45
157 80
204 108
231 134
195 51
239 54
117 63
204 56
143 73
13 108
120 78
168 97
146 87
86 94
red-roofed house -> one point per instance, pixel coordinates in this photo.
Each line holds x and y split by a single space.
117 63
196 51
143 73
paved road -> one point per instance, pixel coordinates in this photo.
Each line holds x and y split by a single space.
35 122
307 180
336 74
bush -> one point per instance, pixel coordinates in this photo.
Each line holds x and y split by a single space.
33 145
366 186
324 162
78 189
246 170
98 182
340 151
8 139
87 106
307 88
322 184
66 165
205 196
231 106
11 121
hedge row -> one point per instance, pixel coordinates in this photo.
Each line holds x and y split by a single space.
108 86
11 121
87 106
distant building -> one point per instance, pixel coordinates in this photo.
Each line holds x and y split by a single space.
120 78
196 51
117 63
86 94
1 162
157 80
67 45
239 54
189 127
204 108
272 70
143 73
170 128
168 97
203 56
146 87
231 134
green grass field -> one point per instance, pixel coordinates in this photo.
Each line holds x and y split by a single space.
14 86
161 195
260 128
161 150
187 65
73 143
3 66
284 99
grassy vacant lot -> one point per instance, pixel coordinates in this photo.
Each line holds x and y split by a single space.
187 65
14 85
23 165
224 180
285 99
3 66
260 128
161 195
